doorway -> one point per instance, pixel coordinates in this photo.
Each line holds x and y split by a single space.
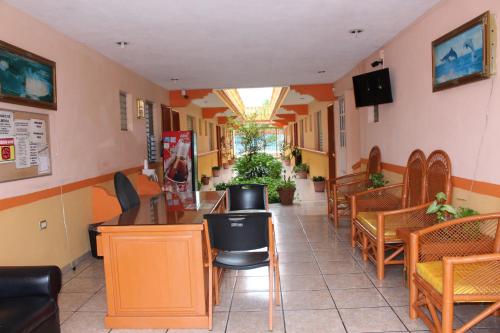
332 172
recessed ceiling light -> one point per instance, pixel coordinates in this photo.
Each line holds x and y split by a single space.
174 79
302 98
122 44
355 32
321 71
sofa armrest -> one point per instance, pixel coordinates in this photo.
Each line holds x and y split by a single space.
30 281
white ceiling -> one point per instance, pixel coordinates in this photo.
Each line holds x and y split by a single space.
231 43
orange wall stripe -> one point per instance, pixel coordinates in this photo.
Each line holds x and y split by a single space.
320 92
208 113
302 109
475 186
47 193
177 100
221 120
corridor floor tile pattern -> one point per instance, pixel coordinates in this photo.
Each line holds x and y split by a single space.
326 287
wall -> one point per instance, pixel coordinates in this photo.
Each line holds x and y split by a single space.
86 144
461 120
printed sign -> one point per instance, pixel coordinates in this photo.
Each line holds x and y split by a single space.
6 124
7 150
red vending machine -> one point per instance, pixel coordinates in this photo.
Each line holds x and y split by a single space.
179 161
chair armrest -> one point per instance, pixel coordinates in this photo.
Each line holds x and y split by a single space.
378 199
351 188
350 178
413 217
30 281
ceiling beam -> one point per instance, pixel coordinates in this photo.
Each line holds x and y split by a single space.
320 92
176 99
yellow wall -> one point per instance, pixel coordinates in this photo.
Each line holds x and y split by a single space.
205 164
202 135
318 163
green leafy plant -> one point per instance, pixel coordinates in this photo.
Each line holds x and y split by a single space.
272 186
445 211
303 167
216 167
257 166
318 179
297 154
286 183
198 182
377 180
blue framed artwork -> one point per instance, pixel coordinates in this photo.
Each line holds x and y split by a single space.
26 78
462 55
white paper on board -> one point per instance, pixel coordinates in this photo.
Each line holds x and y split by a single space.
37 131
43 159
6 124
22 144
33 154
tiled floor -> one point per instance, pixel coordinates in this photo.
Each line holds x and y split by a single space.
325 286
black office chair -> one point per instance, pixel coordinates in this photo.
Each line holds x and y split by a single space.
247 197
242 241
125 192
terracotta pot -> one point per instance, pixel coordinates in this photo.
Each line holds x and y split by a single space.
287 162
286 196
302 174
205 180
231 162
225 165
215 172
319 186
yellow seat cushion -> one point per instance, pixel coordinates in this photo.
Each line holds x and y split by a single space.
466 277
369 221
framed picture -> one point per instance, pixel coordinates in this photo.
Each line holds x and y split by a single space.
26 78
462 55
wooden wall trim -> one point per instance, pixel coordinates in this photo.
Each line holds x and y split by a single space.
207 153
471 185
319 152
50 192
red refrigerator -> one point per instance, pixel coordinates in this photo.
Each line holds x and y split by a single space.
179 161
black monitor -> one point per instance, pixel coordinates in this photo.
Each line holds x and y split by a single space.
372 88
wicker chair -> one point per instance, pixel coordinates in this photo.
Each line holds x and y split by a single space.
377 213
454 262
341 188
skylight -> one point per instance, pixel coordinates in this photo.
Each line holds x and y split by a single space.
253 97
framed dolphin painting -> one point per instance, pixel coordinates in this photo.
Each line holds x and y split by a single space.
26 78
462 55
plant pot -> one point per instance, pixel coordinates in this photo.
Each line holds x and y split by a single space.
231 162
225 165
215 172
286 196
205 180
287 162
319 186
302 174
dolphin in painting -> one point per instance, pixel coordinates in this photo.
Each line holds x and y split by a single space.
450 56
468 44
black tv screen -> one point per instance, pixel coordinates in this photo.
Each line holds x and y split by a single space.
372 88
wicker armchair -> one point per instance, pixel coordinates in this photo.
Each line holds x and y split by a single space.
341 188
377 214
453 262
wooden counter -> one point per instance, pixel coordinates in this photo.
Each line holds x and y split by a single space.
155 262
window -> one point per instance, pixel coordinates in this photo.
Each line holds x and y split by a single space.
210 135
302 133
191 123
199 127
319 132
342 135
150 132
123 111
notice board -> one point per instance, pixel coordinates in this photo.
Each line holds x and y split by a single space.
24 145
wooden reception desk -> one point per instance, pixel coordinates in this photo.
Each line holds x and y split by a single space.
155 262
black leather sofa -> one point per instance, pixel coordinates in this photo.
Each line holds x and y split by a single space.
28 299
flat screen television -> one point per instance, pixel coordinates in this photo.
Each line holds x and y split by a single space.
372 88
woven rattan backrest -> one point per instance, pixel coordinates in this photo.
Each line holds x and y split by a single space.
414 180
438 175
374 161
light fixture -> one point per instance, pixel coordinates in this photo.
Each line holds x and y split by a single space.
356 32
174 79
140 108
377 62
122 44
321 71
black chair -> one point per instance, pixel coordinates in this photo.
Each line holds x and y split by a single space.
247 197
125 192
28 299
242 241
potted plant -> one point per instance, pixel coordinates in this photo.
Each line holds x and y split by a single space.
297 154
301 170
319 183
215 171
286 191
287 159
225 165
445 212
230 160
377 180
205 179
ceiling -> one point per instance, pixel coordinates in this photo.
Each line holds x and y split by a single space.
228 43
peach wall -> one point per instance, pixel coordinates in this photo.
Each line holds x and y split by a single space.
462 120
86 140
